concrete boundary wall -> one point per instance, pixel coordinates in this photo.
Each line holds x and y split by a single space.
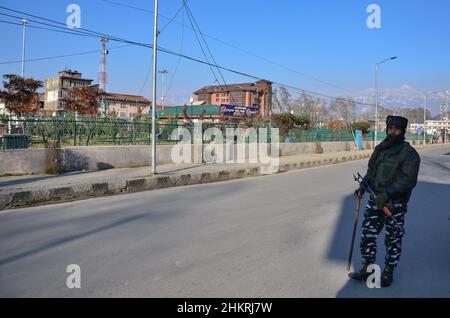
33 161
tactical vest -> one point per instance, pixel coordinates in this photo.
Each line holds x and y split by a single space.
386 165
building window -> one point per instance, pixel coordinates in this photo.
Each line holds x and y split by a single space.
217 99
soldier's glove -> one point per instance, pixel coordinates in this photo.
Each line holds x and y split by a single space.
381 200
358 194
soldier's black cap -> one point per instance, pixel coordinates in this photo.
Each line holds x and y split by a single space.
400 122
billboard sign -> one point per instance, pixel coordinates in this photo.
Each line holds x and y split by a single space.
238 111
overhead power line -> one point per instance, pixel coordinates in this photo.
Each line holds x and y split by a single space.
200 42
62 56
313 78
90 33
150 64
44 28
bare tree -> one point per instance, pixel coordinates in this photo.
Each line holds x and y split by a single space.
276 103
343 108
285 96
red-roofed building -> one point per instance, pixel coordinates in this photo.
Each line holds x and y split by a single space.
258 94
57 90
125 106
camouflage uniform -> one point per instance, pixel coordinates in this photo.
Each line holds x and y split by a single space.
374 220
393 170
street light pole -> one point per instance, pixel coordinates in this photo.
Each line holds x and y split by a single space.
424 118
163 73
24 23
447 92
377 68
377 77
425 114
155 43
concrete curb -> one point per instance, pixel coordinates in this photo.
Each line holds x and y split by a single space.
20 199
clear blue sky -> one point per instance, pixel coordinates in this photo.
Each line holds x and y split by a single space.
327 39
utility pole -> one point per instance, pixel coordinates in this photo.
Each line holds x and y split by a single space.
442 111
425 114
24 23
155 45
446 116
163 73
424 118
375 139
377 76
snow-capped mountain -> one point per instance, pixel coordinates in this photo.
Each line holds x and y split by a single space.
404 97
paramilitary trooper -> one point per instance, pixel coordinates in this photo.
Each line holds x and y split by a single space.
392 174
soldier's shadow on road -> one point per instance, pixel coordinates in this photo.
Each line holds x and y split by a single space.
424 269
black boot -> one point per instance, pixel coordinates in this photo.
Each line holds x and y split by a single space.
362 274
387 277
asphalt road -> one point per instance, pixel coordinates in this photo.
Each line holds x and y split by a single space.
284 235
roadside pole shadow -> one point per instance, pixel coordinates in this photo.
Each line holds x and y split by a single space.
424 269
182 169
67 239
158 211
25 180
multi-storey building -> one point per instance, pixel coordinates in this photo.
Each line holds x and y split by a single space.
435 126
257 94
57 89
124 106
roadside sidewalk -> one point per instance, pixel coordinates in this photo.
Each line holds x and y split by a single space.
24 191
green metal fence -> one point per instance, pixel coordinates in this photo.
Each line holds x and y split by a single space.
83 131
312 135
94 131
382 134
16 141
91 131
